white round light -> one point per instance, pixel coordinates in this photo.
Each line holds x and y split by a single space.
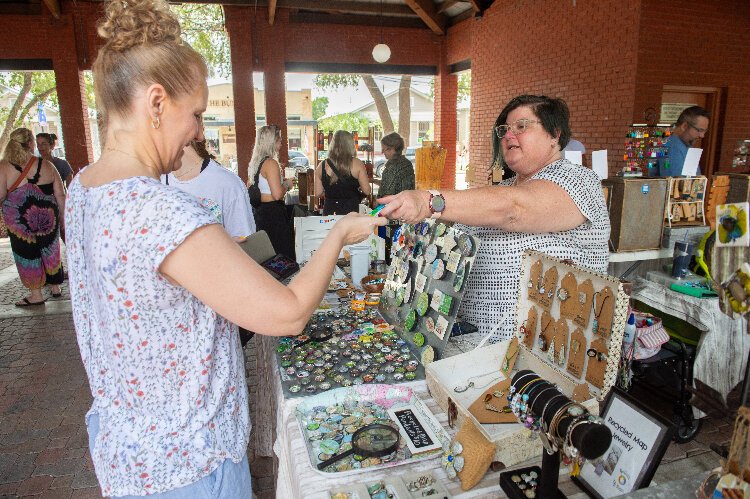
381 53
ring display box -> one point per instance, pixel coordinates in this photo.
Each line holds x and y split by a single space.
569 326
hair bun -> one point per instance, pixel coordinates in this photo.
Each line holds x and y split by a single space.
129 23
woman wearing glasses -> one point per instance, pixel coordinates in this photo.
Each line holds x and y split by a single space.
550 205
271 215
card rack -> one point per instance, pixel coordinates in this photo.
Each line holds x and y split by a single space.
570 323
430 263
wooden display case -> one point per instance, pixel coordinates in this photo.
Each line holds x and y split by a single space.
592 316
685 201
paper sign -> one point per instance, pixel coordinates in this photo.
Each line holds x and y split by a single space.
690 166
574 157
599 163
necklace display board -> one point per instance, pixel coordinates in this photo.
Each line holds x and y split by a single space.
569 325
425 284
343 348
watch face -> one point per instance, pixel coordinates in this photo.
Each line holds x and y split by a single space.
437 203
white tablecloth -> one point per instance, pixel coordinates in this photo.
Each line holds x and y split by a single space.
724 345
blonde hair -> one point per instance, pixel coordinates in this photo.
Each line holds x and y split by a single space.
341 153
265 146
16 151
142 46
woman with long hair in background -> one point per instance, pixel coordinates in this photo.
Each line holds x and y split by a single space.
342 177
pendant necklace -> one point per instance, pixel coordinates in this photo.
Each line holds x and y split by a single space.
470 384
506 365
598 314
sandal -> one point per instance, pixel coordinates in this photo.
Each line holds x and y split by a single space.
57 295
26 303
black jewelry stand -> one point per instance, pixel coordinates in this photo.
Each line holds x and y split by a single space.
591 439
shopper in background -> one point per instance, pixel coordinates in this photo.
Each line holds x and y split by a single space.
271 216
45 143
692 124
398 173
33 201
574 145
155 281
220 190
550 205
342 177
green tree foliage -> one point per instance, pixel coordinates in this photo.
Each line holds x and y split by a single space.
351 122
29 89
203 28
464 86
319 107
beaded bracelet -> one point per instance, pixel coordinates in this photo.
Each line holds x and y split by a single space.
570 409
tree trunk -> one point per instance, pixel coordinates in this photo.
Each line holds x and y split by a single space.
404 108
380 104
14 110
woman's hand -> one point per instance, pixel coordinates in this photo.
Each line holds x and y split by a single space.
409 206
354 227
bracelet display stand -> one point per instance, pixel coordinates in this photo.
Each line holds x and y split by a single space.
587 438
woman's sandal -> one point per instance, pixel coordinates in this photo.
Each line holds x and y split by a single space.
26 303
57 295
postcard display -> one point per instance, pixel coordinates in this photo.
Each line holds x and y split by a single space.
569 326
425 284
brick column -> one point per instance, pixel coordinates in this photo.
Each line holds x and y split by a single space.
273 50
239 28
71 94
446 125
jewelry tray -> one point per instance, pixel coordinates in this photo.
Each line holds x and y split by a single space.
377 399
513 444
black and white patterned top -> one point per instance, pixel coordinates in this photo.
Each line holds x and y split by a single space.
492 286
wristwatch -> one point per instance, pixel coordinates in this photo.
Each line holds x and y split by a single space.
436 204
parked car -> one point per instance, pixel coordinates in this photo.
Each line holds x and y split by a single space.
410 153
298 160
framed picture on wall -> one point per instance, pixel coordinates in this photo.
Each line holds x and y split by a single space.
640 438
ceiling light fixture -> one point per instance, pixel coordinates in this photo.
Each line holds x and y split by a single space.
382 52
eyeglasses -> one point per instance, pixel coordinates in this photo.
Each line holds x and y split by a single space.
517 127
699 130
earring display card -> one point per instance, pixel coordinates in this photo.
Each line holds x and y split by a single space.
425 282
591 305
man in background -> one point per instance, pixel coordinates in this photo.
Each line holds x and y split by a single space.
692 124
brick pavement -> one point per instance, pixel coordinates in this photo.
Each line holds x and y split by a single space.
44 396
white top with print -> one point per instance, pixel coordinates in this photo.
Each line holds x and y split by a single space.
492 286
166 372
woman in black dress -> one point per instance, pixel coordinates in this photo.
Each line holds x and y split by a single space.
342 177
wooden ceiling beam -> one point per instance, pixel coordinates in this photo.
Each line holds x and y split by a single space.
347 6
475 5
271 11
54 7
447 4
425 9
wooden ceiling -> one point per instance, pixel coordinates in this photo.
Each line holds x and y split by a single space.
436 15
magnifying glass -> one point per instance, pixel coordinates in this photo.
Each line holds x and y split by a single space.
319 335
373 440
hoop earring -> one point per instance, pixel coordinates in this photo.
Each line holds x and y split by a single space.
155 124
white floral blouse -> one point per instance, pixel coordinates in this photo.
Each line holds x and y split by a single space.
166 372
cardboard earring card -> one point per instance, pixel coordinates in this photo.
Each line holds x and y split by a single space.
561 342
597 354
529 328
604 309
546 331
535 280
585 296
577 354
547 292
570 307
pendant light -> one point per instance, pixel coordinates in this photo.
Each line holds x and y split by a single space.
382 52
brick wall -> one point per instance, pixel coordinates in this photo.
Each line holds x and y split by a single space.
585 54
700 44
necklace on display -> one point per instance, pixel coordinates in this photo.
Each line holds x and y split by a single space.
470 384
508 359
598 314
